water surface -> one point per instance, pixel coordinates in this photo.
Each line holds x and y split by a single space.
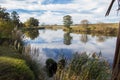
56 43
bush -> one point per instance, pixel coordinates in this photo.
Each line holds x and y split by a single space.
14 69
51 67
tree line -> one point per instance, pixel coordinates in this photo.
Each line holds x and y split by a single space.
9 21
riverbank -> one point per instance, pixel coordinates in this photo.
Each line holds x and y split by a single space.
13 66
105 29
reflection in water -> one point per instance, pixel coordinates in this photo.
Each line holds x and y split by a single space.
52 44
67 38
32 34
101 38
84 38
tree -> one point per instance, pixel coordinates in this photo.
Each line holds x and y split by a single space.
32 22
6 28
3 14
85 23
6 25
116 63
67 21
15 18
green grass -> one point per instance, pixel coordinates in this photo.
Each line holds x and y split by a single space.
14 69
9 52
13 66
84 67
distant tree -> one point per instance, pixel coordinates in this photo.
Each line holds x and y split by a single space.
32 22
15 18
67 21
85 23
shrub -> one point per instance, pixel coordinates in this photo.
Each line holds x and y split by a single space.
51 67
14 69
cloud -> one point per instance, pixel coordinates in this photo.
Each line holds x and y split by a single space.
52 11
56 1
50 17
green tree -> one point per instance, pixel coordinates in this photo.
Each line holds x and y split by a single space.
67 21
6 28
3 14
6 25
15 18
32 22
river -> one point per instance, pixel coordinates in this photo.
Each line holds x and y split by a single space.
57 43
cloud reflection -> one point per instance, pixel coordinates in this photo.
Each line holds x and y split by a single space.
51 45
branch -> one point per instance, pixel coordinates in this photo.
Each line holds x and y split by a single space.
109 9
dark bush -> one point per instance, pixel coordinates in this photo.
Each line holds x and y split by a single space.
51 67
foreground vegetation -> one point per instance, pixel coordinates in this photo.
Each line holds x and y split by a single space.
84 67
14 69
80 67
13 66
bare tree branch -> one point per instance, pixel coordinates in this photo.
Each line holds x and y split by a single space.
109 9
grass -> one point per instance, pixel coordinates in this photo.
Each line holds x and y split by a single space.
106 29
36 67
7 51
13 66
84 67
14 69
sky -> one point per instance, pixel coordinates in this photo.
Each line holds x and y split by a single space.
52 11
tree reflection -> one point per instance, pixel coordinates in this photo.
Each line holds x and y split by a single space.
32 33
84 38
67 38
101 38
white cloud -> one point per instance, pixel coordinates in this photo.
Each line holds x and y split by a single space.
50 18
93 10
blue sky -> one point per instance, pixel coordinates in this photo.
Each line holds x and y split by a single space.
52 11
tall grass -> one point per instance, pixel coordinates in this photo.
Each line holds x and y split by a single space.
35 66
84 67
